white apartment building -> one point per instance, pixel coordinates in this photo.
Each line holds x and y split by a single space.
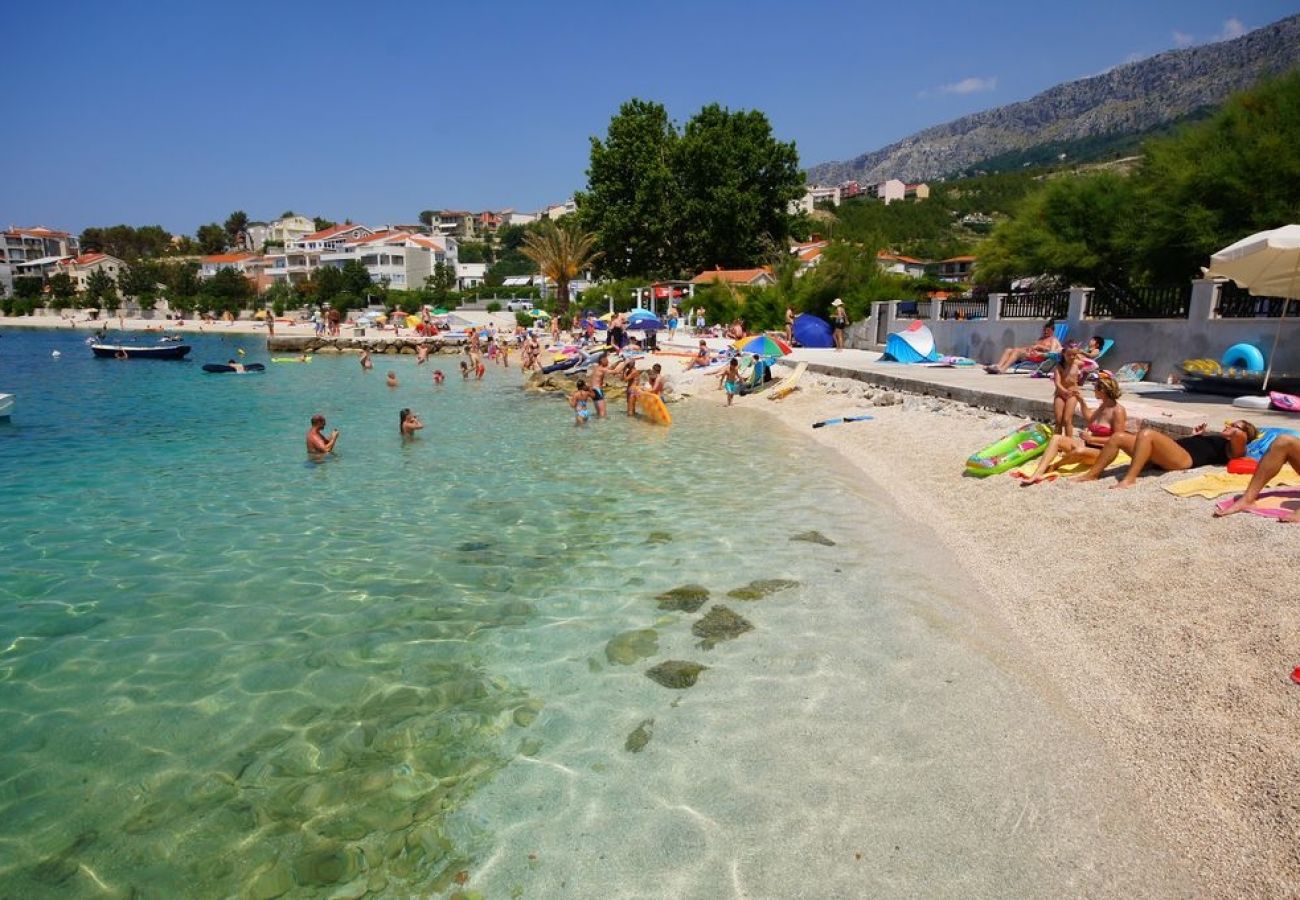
895 189
470 275
20 245
814 194
303 255
243 262
403 260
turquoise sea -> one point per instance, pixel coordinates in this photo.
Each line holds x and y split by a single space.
226 671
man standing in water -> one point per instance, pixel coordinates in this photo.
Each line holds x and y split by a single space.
317 443
598 383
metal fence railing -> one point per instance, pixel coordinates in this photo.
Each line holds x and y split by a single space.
1238 303
966 309
1118 301
1036 305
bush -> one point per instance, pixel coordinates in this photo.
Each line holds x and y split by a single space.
524 319
493 307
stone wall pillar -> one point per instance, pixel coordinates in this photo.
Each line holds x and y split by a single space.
1205 297
995 307
1078 304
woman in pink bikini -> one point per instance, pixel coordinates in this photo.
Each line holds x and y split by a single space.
1107 419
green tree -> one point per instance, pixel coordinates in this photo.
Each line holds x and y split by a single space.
140 281
1215 183
356 279
426 217
736 183
1075 227
229 290
322 224
101 292
235 225
28 287
181 280
280 296
561 253
211 238
472 252
62 289
327 282
632 192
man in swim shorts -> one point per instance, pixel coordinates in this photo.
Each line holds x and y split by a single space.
598 383
317 443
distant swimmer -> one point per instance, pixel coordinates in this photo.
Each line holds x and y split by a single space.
234 364
391 380
464 369
317 443
421 354
365 360
408 423
438 377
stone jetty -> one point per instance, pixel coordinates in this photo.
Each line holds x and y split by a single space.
379 343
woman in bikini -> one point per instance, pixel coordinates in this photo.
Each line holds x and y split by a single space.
1108 419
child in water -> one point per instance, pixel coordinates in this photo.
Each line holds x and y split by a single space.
438 376
730 379
464 370
579 400
391 380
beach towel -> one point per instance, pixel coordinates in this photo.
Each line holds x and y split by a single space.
1216 484
1271 504
1029 468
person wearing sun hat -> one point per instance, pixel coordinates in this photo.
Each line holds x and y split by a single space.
839 321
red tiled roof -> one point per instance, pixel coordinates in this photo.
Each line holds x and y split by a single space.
37 231
959 259
229 257
731 276
327 233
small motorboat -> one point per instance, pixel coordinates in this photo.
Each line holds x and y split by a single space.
1235 385
136 351
6 406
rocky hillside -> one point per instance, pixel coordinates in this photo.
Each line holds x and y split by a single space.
1132 98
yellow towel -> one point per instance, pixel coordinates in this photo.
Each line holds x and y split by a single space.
1217 484
1029 468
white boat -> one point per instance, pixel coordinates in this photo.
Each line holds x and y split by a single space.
6 405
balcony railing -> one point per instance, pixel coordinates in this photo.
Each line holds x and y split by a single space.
1117 301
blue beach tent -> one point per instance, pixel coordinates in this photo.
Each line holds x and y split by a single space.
810 331
914 344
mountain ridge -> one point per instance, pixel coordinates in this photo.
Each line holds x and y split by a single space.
1130 98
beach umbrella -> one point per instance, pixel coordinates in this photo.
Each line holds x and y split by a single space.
762 344
607 317
412 321
810 331
538 314
1265 264
438 311
644 323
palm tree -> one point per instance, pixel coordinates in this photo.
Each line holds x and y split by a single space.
561 252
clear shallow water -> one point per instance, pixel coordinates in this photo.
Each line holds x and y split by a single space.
227 671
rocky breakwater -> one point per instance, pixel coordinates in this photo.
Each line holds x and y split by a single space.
377 344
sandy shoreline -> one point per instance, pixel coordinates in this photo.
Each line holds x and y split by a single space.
1172 634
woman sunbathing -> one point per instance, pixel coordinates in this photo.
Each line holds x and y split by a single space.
1037 352
1151 447
1286 449
1107 420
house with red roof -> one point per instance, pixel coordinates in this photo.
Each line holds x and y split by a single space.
898 264
79 268
243 262
760 277
955 268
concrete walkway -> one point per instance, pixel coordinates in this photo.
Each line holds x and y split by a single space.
1160 405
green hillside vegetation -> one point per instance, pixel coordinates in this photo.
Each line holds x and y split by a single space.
1196 191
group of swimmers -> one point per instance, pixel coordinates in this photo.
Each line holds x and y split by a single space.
585 395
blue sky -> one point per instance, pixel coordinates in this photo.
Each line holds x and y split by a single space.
177 113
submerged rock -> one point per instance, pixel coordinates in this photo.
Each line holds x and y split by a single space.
626 648
676 673
687 598
640 736
474 546
757 590
720 624
659 537
327 866
813 537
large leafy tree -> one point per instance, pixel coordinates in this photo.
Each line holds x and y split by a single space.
229 289
212 238
356 278
101 292
735 183
126 242
632 192
1218 182
561 252
1073 227
62 287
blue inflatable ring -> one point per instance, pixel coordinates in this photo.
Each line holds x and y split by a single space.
1243 356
